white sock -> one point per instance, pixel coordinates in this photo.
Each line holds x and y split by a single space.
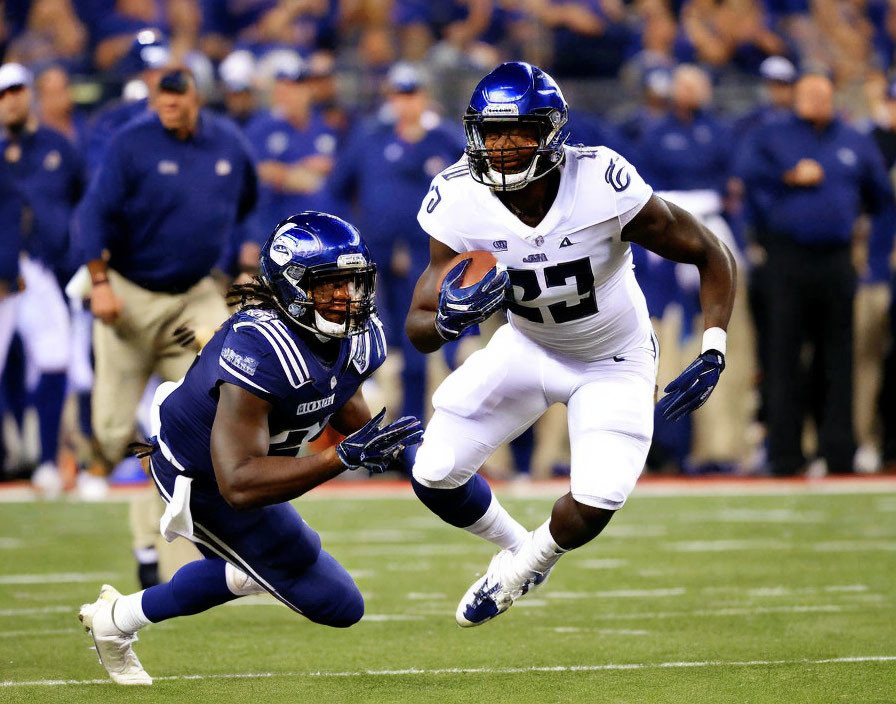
499 527
127 613
541 552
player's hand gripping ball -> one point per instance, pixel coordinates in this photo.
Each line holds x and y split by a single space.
471 290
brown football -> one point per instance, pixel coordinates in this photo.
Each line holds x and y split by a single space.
482 262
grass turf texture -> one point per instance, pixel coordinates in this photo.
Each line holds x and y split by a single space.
683 599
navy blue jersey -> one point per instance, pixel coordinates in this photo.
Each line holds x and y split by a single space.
274 138
165 208
257 351
49 174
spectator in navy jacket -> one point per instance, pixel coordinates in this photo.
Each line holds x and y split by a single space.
811 176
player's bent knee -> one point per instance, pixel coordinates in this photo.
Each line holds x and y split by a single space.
434 466
343 608
241 584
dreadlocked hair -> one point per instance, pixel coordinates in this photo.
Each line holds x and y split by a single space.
142 449
254 294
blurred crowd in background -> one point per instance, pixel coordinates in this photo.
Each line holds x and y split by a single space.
353 106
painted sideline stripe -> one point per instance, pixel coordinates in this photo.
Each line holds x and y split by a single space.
21 492
477 670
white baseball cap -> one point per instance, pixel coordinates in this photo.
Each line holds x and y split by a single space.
13 74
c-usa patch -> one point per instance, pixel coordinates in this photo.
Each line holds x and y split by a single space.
243 362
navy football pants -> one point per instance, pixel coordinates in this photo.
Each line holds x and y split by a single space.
274 546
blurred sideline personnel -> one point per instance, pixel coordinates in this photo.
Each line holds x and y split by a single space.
686 157
156 219
382 171
560 220
873 305
144 63
11 244
293 145
811 175
237 83
49 175
228 433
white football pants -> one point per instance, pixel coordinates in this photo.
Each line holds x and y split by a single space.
505 387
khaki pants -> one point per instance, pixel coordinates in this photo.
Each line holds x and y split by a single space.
872 324
141 342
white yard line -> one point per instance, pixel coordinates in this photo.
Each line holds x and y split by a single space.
474 670
58 578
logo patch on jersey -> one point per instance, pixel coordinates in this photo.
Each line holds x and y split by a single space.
242 362
168 167
499 245
312 406
567 242
619 180
539 241
277 142
52 160
532 258
223 167
260 314
847 156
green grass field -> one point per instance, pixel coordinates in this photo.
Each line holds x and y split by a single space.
696 598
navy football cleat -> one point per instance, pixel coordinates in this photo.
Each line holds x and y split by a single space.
493 593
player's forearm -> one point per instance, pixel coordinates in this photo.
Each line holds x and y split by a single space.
263 481
718 282
420 327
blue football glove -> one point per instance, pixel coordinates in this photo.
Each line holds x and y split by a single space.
459 308
693 386
375 447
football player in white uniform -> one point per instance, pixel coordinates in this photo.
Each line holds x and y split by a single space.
559 220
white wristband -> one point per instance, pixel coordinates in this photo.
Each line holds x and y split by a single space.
714 339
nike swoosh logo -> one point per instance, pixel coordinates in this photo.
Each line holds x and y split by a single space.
618 359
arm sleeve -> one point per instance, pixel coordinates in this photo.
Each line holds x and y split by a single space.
106 192
260 356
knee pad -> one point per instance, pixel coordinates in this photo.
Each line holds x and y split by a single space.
241 584
434 465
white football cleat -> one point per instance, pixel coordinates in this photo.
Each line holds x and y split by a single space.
494 592
112 646
47 481
91 487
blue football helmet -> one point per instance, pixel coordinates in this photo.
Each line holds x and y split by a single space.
515 92
320 274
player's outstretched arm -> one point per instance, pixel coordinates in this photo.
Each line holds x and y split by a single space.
675 234
420 325
240 439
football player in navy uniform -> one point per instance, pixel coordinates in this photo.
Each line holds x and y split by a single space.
559 220
227 435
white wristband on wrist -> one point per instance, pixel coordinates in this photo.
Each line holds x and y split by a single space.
714 339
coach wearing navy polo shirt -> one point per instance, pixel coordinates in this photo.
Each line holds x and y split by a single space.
810 176
156 218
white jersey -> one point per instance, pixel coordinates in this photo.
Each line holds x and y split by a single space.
574 289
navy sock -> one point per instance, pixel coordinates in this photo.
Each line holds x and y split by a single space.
195 587
460 507
48 398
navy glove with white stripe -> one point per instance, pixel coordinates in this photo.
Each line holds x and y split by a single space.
693 386
461 307
375 447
